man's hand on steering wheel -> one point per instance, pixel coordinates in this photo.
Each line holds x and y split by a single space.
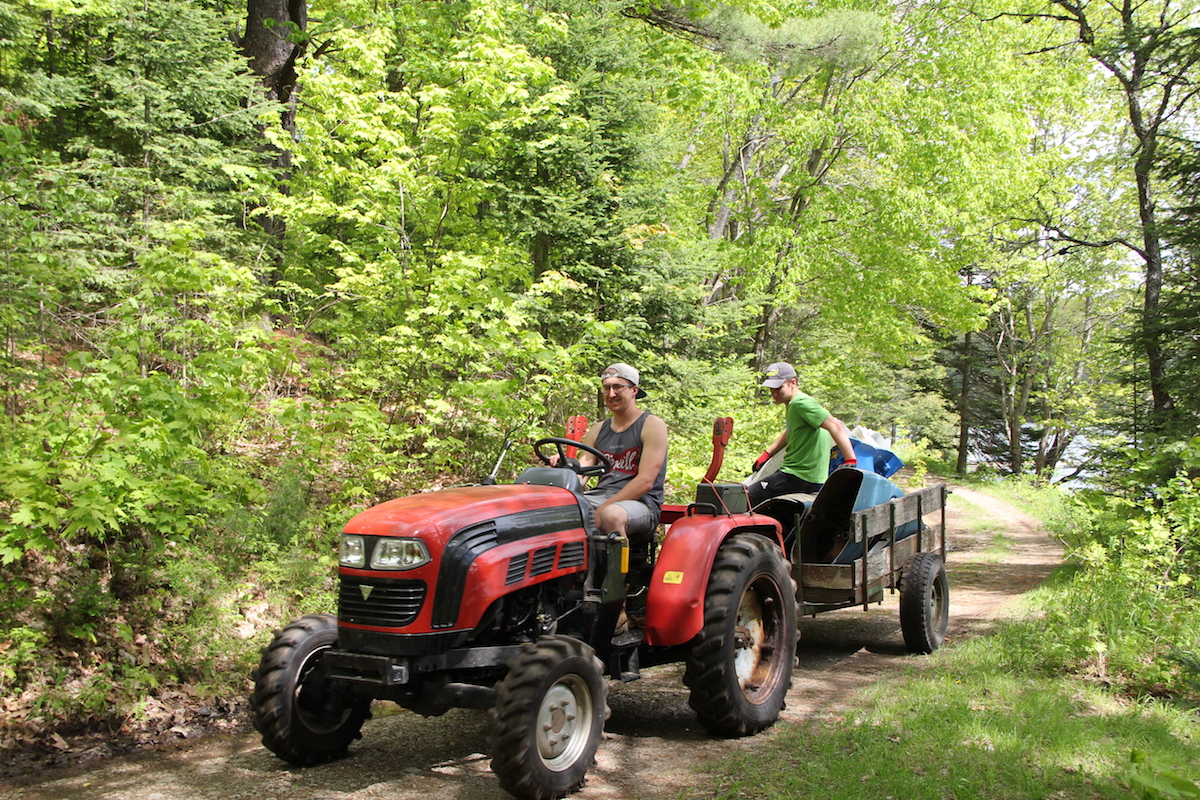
601 467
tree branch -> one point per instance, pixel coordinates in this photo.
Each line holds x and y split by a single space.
1073 243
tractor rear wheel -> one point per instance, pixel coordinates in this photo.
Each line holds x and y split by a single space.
549 718
302 718
740 667
924 603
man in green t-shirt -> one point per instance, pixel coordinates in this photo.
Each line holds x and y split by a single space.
807 440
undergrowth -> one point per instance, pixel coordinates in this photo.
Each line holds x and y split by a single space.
92 640
1125 610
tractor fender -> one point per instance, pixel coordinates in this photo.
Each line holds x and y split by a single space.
675 599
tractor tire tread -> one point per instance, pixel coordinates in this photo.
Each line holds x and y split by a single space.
510 742
707 672
271 703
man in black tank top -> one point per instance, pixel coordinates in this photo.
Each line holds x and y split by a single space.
628 500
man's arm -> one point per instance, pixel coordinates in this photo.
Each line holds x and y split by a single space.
773 448
654 454
841 437
779 443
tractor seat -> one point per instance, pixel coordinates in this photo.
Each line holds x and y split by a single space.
551 476
785 507
790 510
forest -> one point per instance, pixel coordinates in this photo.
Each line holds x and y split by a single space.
263 266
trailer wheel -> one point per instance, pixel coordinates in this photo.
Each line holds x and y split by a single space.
302 718
924 603
549 718
740 667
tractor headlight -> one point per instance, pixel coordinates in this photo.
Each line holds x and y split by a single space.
399 554
353 552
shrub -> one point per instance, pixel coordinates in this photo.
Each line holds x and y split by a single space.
1129 612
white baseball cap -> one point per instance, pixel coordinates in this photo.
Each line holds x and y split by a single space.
626 372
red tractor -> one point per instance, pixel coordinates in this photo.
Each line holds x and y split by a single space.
507 597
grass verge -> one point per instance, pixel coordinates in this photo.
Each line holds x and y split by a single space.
961 725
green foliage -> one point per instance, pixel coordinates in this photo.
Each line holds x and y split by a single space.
109 454
484 204
1153 778
1189 665
133 348
1127 613
20 658
917 456
1056 508
693 396
1181 289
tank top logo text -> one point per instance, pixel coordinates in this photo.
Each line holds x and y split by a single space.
626 461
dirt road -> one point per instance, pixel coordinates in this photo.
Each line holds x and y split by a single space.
654 745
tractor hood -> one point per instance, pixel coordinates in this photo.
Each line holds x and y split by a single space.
483 542
516 511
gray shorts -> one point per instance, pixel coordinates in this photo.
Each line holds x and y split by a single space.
642 518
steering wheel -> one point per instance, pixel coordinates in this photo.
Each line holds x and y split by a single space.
561 445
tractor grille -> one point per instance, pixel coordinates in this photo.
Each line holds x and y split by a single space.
571 555
543 560
516 569
388 603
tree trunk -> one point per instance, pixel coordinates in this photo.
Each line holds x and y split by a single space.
1152 249
964 410
1146 60
272 46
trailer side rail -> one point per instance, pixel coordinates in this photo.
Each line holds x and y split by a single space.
874 569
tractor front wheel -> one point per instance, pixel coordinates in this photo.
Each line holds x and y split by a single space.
740 667
302 718
549 718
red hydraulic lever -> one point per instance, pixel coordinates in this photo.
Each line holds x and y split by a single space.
722 430
576 428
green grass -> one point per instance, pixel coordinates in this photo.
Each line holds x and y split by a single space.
999 717
975 518
1000 546
980 524
961 726
1051 506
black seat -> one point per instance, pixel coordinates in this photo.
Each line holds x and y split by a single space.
551 476
787 508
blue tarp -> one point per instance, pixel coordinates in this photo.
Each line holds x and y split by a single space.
871 459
